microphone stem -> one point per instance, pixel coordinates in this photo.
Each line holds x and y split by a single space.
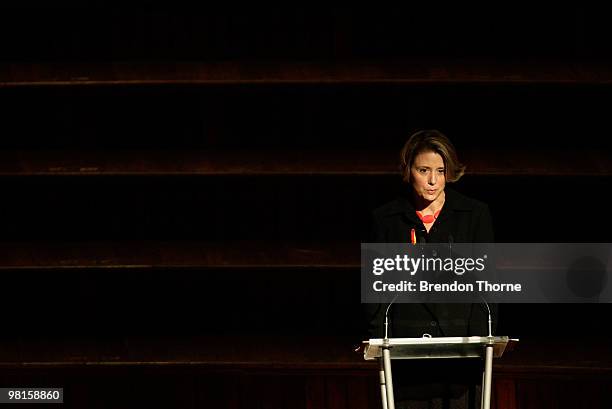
387 316
386 327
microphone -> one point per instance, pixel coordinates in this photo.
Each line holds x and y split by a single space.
490 320
387 316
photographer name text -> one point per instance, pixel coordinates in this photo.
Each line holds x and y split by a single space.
454 287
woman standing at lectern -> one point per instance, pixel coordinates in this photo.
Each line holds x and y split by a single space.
431 212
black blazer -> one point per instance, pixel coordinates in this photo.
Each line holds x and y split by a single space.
462 220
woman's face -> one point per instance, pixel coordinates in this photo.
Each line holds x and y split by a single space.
427 175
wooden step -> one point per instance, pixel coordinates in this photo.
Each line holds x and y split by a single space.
486 161
532 357
244 351
414 71
179 254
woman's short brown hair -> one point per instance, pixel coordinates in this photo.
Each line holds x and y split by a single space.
431 140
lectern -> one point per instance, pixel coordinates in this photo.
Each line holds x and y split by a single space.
386 349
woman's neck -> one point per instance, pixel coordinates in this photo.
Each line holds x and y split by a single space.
428 207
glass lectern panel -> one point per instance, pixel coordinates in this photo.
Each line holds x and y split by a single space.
438 347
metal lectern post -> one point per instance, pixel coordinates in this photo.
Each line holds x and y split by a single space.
487 375
386 355
383 387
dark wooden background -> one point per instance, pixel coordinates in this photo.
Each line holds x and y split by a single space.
185 189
